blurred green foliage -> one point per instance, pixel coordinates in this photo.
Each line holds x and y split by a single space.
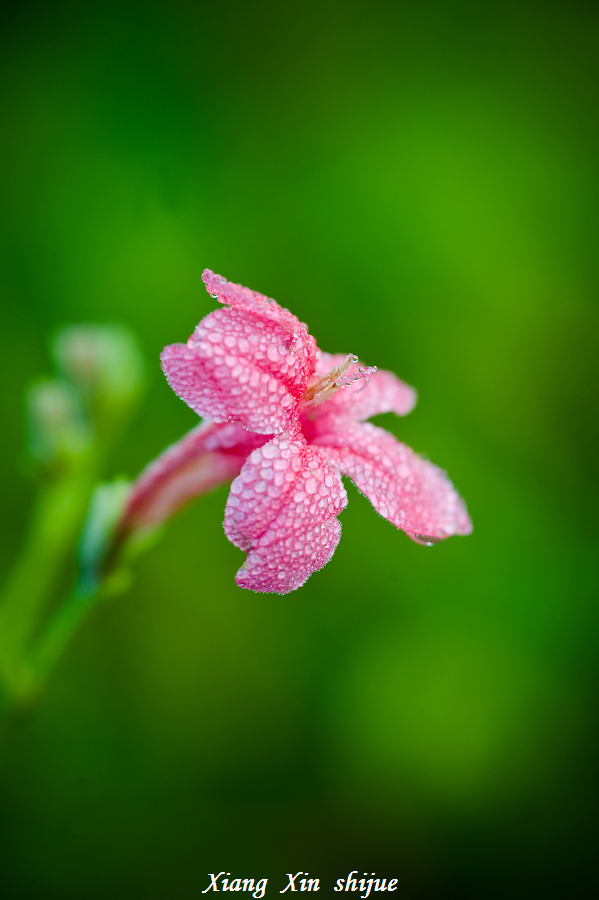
418 182
73 424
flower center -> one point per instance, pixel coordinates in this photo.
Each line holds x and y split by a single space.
339 377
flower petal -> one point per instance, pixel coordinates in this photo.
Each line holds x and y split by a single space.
204 458
224 388
248 364
409 491
384 393
300 346
282 509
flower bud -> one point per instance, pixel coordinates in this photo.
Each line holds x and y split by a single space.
57 429
104 362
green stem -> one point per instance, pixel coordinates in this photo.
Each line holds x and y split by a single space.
56 636
57 518
58 633
40 662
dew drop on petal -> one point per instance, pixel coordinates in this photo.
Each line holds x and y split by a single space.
425 540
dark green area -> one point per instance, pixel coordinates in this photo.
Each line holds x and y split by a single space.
418 182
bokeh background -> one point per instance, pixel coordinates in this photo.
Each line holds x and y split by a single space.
418 182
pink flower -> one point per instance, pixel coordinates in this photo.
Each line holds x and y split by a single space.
287 421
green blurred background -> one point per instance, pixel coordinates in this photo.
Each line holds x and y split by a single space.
418 182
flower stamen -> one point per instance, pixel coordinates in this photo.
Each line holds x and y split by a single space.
338 377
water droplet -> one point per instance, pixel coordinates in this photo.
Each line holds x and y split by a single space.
214 296
354 358
426 540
